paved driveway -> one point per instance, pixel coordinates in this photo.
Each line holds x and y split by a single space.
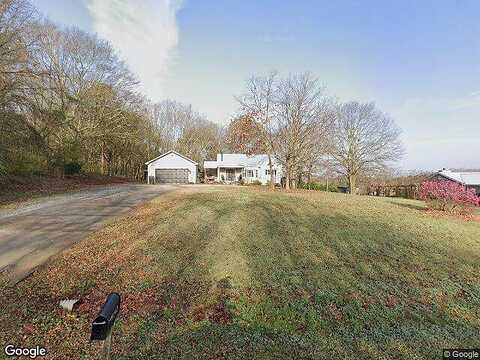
30 235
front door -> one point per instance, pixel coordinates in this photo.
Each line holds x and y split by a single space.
230 174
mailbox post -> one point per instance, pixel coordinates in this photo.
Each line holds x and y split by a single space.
103 324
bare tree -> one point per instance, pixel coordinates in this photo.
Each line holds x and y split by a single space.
259 102
302 113
200 140
181 128
171 118
16 17
74 73
364 140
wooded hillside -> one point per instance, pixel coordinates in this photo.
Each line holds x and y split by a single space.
68 104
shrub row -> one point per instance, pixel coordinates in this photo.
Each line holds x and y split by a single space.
449 196
318 186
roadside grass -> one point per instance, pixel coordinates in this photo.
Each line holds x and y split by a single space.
247 273
16 188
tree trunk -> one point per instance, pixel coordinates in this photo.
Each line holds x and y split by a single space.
272 176
102 160
299 180
352 183
287 178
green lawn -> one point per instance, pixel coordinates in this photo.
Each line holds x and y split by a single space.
246 273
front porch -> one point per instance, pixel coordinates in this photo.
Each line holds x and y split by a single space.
227 175
230 175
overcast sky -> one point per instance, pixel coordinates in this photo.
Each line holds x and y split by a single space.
418 60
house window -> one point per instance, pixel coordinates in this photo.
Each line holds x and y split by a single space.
267 172
256 173
249 173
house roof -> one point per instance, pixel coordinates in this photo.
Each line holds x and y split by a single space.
170 152
208 164
466 178
236 161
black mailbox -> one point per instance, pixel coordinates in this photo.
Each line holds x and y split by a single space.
102 325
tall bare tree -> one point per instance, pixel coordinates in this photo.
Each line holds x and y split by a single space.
171 118
200 140
259 102
73 68
181 128
15 47
364 140
302 113
16 17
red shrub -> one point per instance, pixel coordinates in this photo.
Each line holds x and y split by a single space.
448 196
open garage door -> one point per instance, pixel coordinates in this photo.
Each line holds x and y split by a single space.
171 176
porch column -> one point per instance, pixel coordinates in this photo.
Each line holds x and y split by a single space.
218 174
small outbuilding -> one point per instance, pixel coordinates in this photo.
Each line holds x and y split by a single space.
171 168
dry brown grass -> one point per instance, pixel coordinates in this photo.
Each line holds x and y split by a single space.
21 188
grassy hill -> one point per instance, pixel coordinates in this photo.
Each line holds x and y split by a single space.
246 273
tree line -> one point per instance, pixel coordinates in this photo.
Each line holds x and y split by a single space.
67 103
298 126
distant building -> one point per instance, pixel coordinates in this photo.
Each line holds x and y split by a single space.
469 179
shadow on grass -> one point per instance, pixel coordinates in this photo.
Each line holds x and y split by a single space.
365 284
408 205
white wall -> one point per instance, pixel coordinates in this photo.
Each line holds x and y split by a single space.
264 179
173 161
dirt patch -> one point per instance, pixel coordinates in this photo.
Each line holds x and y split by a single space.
217 310
137 303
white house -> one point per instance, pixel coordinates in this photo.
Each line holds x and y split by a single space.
171 167
231 168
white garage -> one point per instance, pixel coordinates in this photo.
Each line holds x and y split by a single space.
171 168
